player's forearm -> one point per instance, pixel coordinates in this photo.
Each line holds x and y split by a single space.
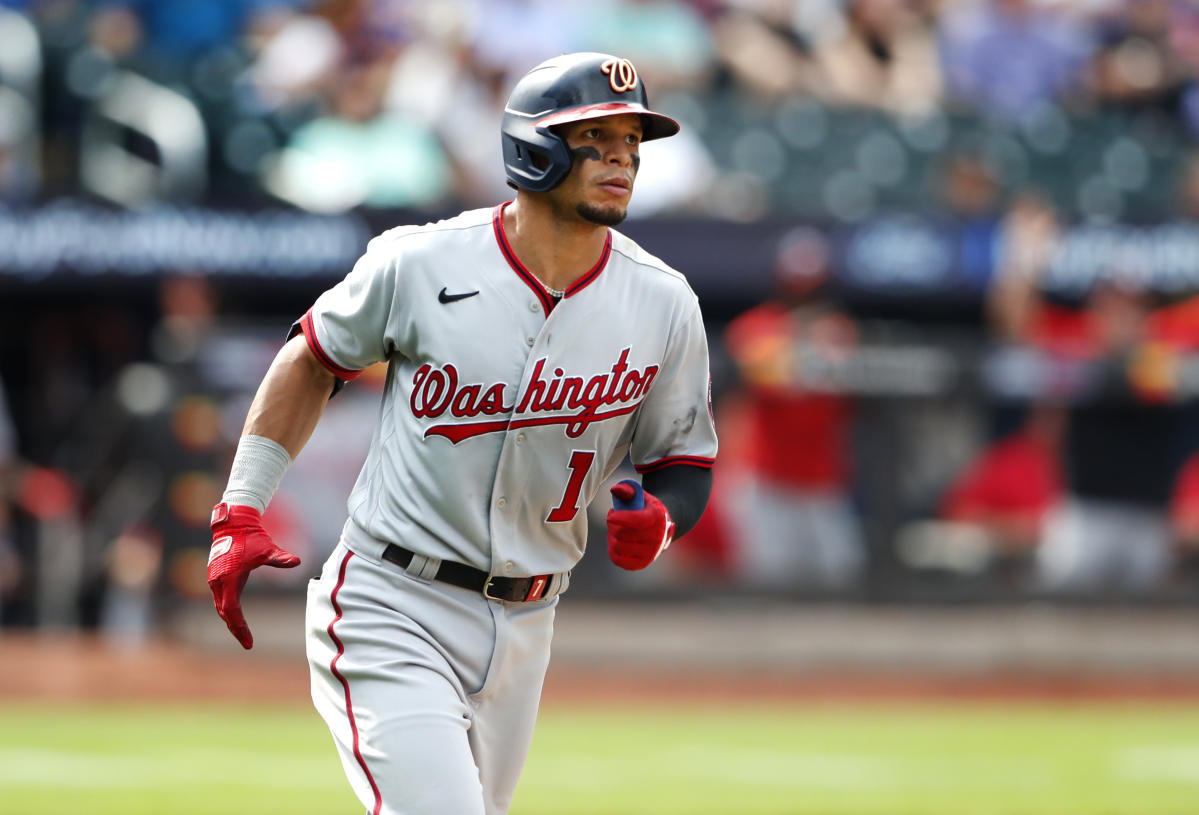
683 490
291 398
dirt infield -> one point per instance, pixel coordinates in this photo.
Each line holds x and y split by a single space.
68 667
620 653
77 668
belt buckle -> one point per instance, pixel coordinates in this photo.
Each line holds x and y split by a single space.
487 589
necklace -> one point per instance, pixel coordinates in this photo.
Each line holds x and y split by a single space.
557 294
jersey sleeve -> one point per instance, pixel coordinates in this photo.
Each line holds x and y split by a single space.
347 327
675 424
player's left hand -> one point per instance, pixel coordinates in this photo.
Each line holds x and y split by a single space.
639 527
240 545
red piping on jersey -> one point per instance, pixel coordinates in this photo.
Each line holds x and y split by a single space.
547 302
314 345
341 649
457 432
584 281
693 461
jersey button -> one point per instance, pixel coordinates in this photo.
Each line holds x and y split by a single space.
509 566
520 438
534 305
503 502
529 341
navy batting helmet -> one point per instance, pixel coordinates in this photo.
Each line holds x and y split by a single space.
569 88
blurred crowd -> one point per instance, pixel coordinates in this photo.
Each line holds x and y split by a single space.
1068 466
854 461
331 104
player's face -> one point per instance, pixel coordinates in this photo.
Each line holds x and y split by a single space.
606 159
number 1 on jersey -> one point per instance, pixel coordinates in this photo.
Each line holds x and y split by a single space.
579 465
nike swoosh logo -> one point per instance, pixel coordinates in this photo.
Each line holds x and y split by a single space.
442 297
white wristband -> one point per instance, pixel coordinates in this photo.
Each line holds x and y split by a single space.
258 467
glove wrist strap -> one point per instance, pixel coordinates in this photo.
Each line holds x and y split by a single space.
258 467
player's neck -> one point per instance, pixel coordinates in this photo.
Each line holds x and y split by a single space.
558 251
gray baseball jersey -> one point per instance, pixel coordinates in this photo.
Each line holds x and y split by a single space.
504 412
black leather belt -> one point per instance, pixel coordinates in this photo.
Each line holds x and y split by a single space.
512 589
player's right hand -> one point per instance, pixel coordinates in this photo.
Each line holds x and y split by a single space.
239 546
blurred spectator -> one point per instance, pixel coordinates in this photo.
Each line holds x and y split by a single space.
358 154
667 40
371 30
1184 505
438 81
1029 235
1000 501
798 527
1137 68
511 36
970 199
18 175
116 31
148 516
295 57
1186 190
1008 58
434 68
1008 490
143 460
1184 45
10 563
174 31
886 57
21 124
760 46
1177 325
1111 530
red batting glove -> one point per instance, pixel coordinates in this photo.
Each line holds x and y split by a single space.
639 527
239 546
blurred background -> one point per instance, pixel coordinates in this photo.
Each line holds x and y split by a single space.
947 254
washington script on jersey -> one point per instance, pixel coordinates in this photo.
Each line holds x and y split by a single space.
436 390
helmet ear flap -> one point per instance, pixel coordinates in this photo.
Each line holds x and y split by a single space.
536 161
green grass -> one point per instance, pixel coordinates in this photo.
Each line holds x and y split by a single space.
874 759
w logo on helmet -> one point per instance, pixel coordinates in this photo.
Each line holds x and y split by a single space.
622 76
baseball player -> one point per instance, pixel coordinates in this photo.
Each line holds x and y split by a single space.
530 348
